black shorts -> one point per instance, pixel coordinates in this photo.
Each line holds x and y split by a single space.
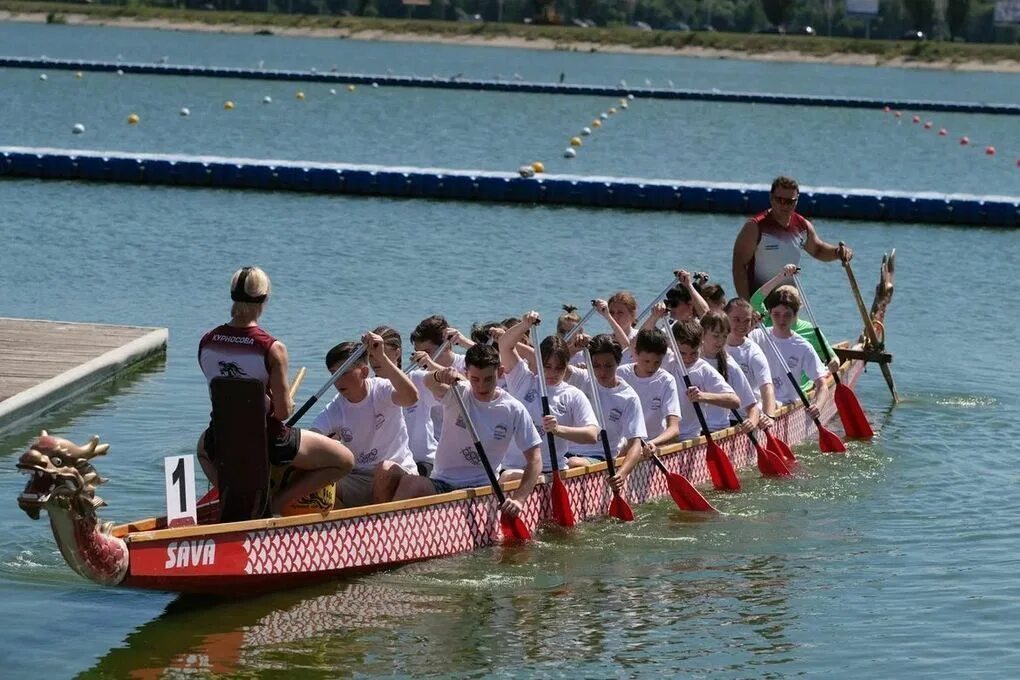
424 468
281 451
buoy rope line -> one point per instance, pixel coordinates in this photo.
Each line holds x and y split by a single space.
928 124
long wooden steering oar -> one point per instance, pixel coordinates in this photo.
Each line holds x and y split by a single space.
855 423
684 494
618 507
869 328
724 477
828 441
359 351
513 528
562 513
770 463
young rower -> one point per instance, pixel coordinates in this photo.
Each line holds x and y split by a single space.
783 305
751 359
242 349
366 415
683 302
714 296
621 406
566 323
656 388
418 417
708 387
622 307
801 327
427 337
571 420
500 421
716 328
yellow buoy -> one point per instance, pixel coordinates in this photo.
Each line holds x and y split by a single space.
575 141
538 166
299 95
133 119
228 105
79 75
611 110
350 88
596 123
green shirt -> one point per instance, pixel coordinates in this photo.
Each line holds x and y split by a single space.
802 328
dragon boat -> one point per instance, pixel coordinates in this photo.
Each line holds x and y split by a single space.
246 557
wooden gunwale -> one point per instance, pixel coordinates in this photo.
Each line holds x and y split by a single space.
146 530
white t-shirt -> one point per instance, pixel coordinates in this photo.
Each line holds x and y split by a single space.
621 408
800 357
502 424
658 395
755 367
706 378
373 429
566 402
418 419
628 356
437 410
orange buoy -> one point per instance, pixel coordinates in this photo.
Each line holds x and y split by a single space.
886 109
964 141
898 114
927 125
943 132
916 119
989 150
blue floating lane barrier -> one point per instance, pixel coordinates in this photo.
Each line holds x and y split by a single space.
507 86
500 187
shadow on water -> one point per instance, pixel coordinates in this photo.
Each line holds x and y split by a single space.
58 418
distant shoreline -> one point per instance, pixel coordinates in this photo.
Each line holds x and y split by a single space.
757 48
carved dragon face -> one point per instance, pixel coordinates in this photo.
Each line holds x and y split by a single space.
60 474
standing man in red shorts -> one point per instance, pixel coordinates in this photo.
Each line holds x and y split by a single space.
774 238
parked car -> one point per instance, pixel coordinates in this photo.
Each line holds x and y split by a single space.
914 35
640 25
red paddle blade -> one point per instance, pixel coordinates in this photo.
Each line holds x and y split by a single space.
619 509
685 495
771 463
724 477
562 513
829 442
210 496
514 529
855 423
780 447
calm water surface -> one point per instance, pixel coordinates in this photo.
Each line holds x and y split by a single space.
897 560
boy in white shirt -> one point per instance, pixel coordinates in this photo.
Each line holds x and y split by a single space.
418 417
500 421
366 416
571 419
708 387
656 389
751 359
427 337
621 406
783 304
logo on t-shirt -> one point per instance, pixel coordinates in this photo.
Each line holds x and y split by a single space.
460 422
499 432
656 403
470 455
615 414
410 409
231 370
379 420
346 435
531 395
366 457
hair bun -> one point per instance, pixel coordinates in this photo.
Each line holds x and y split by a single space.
569 309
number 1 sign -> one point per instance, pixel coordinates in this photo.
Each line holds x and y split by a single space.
180 490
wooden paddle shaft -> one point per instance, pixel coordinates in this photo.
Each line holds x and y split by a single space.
869 329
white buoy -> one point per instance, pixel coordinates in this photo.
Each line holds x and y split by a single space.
120 72
526 171
78 128
42 76
332 90
623 105
375 84
585 131
313 69
185 111
569 153
604 116
267 99
630 96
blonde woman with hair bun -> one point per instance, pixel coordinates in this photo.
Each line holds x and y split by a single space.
240 348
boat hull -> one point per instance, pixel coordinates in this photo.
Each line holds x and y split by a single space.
250 557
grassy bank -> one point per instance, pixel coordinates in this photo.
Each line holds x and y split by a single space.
561 37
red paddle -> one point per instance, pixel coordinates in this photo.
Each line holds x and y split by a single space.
770 463
828 441
724 477
683 492
618 507
779 446
562 513
513 528
855 423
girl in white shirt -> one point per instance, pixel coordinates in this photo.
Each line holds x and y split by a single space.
708 387
751 359
716 327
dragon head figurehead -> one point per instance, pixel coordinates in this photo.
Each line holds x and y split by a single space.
61 474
